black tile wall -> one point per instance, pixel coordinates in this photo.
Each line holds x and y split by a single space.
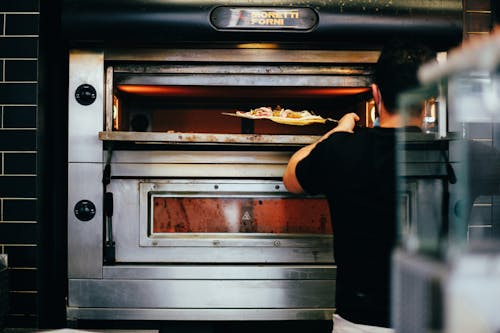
17 233
19 116
21 320
19 6
20 70
17 93
19 210
22 303
16 140
21 24
495 223
478 22
19 163
496 135
22 279
18 187
481 215
19 28
18 47
21 255
479 233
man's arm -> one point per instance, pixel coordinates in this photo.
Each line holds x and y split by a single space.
346 124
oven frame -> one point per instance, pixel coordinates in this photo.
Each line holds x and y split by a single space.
301 288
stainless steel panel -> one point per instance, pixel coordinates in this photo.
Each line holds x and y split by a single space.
269 67
85 237
197 157
225 272
199 314
221 254
249 55
251 80
84 122
129 225
186 164
157 138
184 170
192 294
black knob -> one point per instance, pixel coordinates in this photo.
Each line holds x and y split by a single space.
85 94
84 210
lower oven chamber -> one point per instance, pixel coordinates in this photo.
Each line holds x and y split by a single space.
201 226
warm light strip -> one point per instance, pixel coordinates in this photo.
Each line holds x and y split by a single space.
180 90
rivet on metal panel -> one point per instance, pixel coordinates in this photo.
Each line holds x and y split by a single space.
155 243
277 243
216 187
277 187
216 242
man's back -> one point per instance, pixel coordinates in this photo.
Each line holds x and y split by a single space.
357 174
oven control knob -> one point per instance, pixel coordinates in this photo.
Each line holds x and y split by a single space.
84 210
85 94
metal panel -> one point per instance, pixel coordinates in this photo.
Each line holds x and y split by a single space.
199 157
169 21
155 138
188 164
198 170
211 294
129 224
85 121
244 55
199 314
226 272
85 237
256 80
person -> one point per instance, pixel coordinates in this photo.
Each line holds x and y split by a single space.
355 170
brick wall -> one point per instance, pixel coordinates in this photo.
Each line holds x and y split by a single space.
19 22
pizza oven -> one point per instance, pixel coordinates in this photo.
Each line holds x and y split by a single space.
176 206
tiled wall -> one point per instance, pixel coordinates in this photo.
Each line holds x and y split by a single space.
485 215
19 21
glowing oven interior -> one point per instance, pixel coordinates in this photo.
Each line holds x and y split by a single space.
261 215
199 109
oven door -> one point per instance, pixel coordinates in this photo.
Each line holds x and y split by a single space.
218 221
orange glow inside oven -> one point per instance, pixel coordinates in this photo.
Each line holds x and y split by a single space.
240 215
204 91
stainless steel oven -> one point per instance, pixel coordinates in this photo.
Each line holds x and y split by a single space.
186 217
177 211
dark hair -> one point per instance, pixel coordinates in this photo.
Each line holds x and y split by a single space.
397 66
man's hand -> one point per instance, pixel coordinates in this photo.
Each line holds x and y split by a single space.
347 123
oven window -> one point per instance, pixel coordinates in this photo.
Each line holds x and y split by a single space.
239 215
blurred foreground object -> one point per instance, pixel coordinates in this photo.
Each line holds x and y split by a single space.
447 276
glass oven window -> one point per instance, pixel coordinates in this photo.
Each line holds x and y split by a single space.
261 215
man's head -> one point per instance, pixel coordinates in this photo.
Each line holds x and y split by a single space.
396 69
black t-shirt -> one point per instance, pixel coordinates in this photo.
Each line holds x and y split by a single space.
356 172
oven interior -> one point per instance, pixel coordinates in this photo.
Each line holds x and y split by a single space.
201 97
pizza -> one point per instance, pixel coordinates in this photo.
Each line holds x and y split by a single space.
281 115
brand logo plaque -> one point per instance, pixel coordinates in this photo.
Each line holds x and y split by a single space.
263 18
